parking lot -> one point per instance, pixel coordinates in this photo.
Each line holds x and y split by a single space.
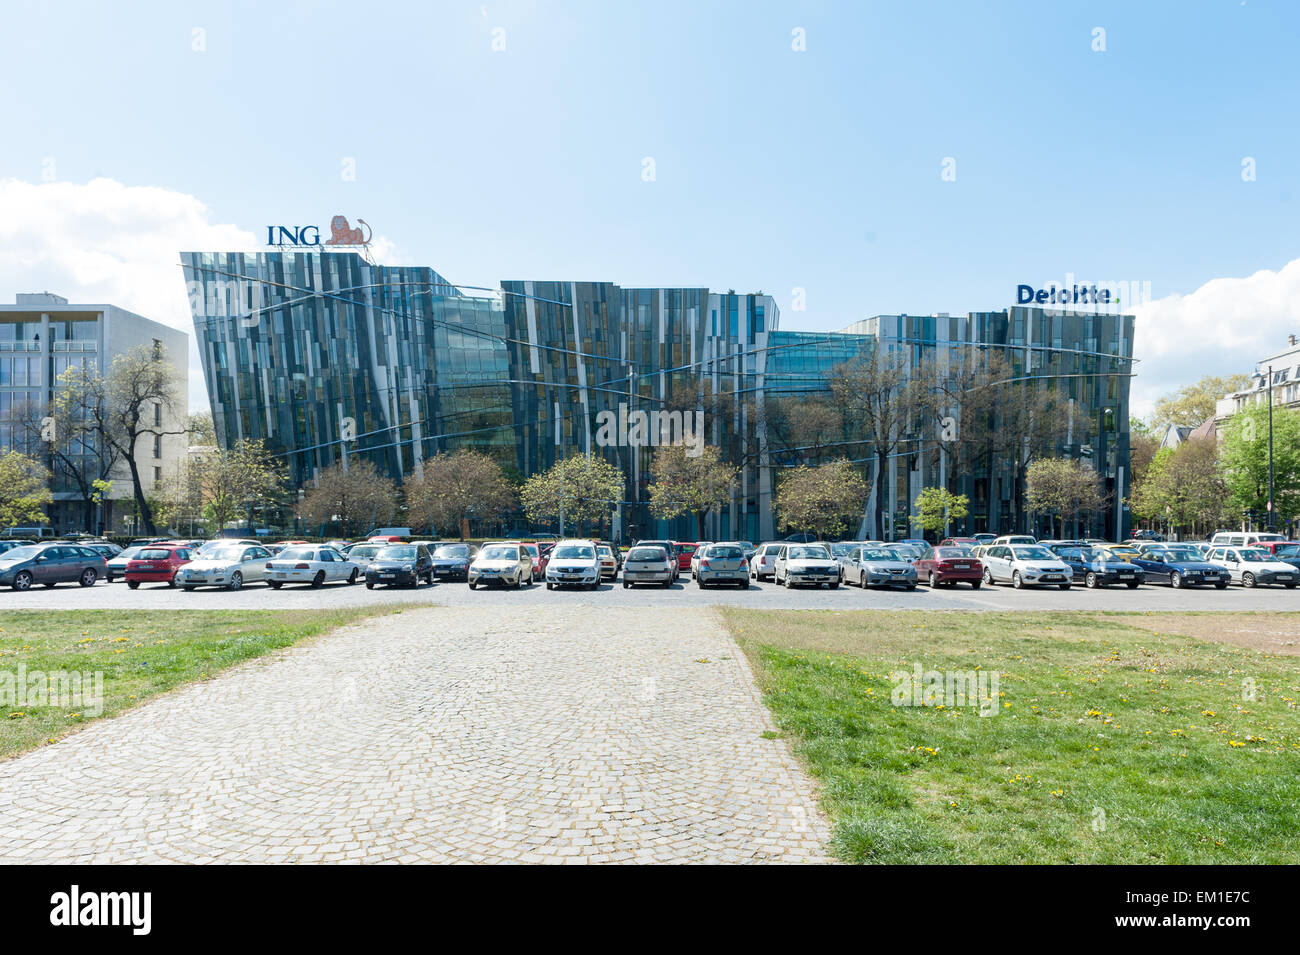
685 593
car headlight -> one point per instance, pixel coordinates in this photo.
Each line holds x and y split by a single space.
408 568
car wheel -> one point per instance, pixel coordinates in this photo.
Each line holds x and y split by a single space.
275 584
23 581
171 581
975 584
236 581
1176 580
1289 586
988 576
834 586
1016 581
1221 585
88 577
934 581
133 584
188 589
744 585
1248 580
1064 586
911 586
1133 585
352 577
319 579
549 585
862 580
625 585
1090 581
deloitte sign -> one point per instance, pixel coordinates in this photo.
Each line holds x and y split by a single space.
1073 295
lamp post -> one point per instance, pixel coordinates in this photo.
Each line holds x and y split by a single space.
1271 524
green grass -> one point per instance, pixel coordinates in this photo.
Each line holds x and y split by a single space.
140 654
1112 744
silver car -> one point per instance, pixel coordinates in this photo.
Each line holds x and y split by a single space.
763 563
230 567
877 567
507 563
722 564
648 564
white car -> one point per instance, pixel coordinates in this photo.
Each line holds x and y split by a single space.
1254 566
507 563
313 564
1015 539
217 543
1023 565
362 554
117 565
799 565
230 567
573 563
764 563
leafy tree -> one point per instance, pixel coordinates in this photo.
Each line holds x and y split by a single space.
937 506
227 483
24 490
579 489
1067 489
1244 459
1184 488
356 497
455 487
824 500
683 484
1192 405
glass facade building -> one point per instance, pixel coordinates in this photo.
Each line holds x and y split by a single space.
323 354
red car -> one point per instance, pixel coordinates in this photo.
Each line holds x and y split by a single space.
540 559
684 551
959 542
157 564
945 566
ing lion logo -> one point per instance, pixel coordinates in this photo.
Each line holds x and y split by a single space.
343 234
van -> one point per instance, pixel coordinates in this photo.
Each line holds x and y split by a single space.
1245 538
30 533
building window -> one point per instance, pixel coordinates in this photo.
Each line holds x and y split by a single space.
157 416
157 445
157 475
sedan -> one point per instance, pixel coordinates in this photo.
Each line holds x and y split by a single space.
1025 565
117 565
608 562
1179 566
157 564
312 564
763 563
362 554
50 564
722 564
573 563
230 567
877 567
946 565
806 565
507 563
451 561
648 564
403 565
1099 569
1254 567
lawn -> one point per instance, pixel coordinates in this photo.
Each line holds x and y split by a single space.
139 654
1113 742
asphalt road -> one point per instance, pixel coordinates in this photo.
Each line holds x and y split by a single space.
685 593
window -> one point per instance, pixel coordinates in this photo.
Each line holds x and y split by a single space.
157 445
157 475
157 414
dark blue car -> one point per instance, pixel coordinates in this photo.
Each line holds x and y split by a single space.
1096 569
1180 566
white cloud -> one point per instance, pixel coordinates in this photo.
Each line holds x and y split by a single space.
105 242
1222 328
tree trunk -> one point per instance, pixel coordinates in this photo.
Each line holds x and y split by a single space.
699 525
881 486
142 506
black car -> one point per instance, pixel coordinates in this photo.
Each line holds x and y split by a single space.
1095 569
400 565
451 561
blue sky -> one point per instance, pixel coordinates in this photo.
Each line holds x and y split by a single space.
774 169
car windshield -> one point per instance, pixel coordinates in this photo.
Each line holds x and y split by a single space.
20 553
574 552
532 549
1181 553
647 553
1269 537
499 552
297 553
724 552
397 552
1025 552
1287 550
363 550
452 550
1090 553
605 551
1255 556
878 553
808 553
946 553
154 553
843 550
124 555
224 553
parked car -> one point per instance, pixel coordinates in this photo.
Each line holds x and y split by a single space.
106 549
1288 551
608 562
313 564
684 551
157 564
117 565
801 565
1023 565
1124 552
452 561
402 565
230 567
722 563
1015 539
961 541
221 542
944 566
50 564
763 563
540 555
1145 535
386 539
7 545
573 563
1179 566
985 539
1245 538
507 563
649 564
869 566
362 554
281 545
1096 568
1255 567
670 547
